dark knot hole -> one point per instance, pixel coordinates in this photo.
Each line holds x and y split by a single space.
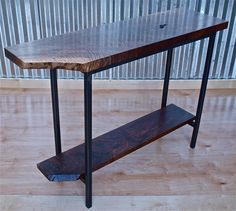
162 25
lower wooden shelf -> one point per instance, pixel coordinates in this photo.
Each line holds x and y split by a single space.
70 165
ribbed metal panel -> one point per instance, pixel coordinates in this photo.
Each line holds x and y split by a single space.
27 20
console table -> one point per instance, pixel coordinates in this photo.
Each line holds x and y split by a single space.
109 45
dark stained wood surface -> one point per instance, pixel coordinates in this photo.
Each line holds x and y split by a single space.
115 144
112 44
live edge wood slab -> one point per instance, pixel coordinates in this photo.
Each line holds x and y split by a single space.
115 144
112 44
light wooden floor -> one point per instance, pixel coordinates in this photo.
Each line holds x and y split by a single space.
165 175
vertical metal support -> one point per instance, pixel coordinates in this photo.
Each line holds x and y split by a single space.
203 90
88 137
167 78
55 109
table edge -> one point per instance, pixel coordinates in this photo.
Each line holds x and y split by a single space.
123 57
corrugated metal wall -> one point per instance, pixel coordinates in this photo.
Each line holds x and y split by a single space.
27 20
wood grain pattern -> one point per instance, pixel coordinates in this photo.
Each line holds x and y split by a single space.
101 47
69 165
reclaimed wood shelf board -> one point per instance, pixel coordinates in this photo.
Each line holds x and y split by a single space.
70 165
98 48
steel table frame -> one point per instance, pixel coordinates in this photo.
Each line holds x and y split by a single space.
88 110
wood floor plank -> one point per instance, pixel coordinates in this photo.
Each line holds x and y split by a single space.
128 203
164 168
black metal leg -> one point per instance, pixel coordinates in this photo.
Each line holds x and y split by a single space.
167 78
202 90
55 109
88 137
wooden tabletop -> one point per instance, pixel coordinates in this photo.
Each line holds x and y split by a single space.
112 44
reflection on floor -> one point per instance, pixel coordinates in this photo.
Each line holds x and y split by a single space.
165 175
